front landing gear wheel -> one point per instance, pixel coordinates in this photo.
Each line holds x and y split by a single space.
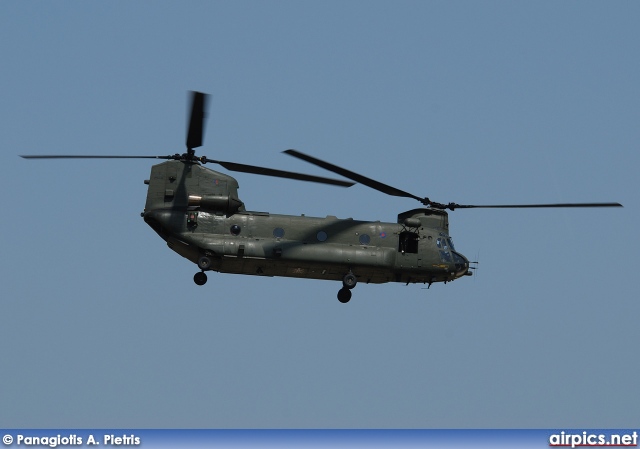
349 280
200 278
344 295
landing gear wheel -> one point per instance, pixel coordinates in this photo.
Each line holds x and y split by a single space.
349 280
344 295
204 263
200 278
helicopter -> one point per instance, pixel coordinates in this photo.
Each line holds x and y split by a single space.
198 213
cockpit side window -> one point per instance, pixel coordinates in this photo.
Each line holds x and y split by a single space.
444 245
445 256
451 244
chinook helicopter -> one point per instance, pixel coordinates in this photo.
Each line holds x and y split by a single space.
198 213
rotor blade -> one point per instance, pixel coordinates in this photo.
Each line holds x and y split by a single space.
277 173
384 188
196 120
454 206
79 156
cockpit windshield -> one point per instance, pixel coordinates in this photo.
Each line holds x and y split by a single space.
447 250
449 255
445 243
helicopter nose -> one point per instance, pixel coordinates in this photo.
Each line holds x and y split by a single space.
461 264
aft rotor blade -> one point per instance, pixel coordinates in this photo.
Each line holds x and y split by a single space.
81 156
453 206
384 188
278 173
196 120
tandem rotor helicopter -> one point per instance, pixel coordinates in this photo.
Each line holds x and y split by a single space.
198 213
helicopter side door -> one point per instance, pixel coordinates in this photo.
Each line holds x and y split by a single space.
409 246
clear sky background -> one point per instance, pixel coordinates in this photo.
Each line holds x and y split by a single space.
472 102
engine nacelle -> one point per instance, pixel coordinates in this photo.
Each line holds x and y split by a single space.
216 203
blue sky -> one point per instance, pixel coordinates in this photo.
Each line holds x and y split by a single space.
472 102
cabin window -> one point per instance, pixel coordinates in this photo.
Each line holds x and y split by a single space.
321 236
235 230
364 239
408 242
278 233
192 219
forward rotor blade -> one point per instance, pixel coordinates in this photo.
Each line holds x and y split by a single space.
454 206
196 120
384 188
278 173
389 190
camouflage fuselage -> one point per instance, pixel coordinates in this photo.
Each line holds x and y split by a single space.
198 212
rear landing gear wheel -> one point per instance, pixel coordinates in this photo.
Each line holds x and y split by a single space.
200 278
204 263
344 295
